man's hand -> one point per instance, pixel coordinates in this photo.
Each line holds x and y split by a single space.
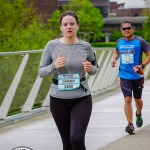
113 63
138 69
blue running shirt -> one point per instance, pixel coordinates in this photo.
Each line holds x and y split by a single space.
130 53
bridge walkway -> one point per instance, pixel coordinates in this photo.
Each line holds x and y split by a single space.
106 130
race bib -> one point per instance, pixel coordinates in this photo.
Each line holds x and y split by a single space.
68 81
127 59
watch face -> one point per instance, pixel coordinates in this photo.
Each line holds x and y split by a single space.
143 66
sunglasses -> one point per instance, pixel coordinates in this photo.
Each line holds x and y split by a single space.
127 28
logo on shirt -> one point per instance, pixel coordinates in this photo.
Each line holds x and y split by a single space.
126 46
131 51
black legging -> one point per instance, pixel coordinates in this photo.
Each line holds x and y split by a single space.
72 117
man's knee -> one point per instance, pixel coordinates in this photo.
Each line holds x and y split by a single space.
128 100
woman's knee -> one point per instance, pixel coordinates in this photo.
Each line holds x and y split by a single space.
77 142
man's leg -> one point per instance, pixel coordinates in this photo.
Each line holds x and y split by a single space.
139 106
129 112
126 87
137 92
128 109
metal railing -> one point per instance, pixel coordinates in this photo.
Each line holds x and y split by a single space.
105 78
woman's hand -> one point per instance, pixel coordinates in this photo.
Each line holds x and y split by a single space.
60 61
87 65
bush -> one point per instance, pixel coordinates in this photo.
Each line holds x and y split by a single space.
104 44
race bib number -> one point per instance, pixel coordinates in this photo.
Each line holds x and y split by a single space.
127 58
68 81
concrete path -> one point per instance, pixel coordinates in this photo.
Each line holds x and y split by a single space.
141 139
106 130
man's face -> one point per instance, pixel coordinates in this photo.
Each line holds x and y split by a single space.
127 30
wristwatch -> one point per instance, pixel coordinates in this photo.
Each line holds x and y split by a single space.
143 66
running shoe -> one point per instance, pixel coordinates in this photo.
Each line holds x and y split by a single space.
139 120
130 129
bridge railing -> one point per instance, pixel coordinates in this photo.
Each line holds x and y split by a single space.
27 63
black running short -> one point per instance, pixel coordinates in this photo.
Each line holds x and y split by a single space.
132 86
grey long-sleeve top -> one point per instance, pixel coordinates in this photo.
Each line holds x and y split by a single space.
75 54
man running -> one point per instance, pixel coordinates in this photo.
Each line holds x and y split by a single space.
129 49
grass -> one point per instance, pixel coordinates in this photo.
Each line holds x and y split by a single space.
9 66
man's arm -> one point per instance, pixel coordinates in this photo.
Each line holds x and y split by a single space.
147 60
144 63
115 58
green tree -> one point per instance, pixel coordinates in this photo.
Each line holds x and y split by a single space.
115 35
90 20
146 29
20 28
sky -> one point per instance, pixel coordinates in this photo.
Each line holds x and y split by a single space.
131 3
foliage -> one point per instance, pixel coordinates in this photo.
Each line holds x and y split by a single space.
29 38
146 29
104 44
53 24
145 12
115 35
20 28
90 20
139 33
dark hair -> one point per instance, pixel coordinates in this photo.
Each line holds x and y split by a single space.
68 13
131 23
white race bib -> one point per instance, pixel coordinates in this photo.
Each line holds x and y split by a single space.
68 81
127 59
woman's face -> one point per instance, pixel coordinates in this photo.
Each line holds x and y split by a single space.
69 26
